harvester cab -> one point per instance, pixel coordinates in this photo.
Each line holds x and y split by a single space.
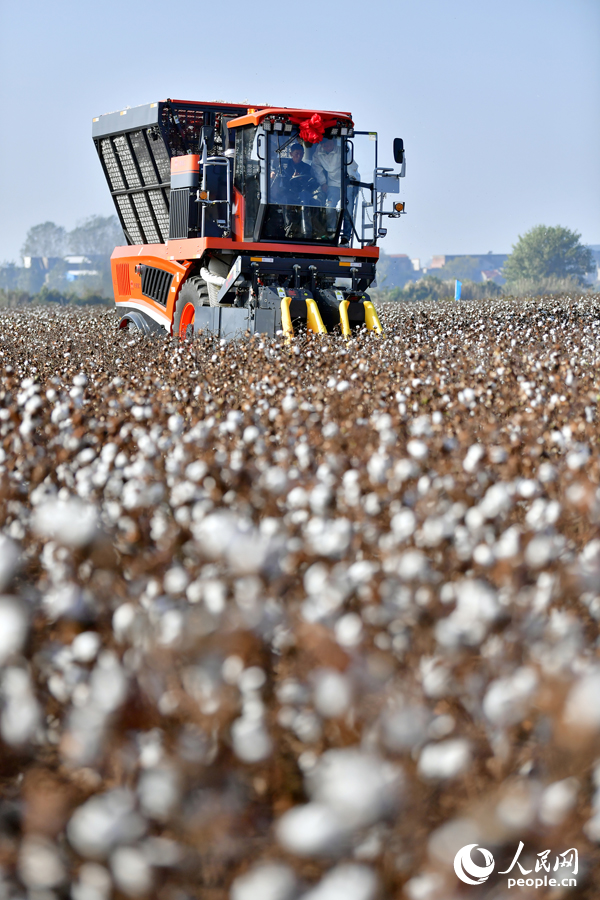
245 219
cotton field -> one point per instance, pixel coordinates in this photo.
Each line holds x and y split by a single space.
300 621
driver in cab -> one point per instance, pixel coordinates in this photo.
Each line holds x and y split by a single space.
293 180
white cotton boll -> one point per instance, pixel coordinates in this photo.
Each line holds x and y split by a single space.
175 423
252 679
311 830
497 455
123 620
435 677
348 881
9 561
348 630
420 427
412 566
445 760
418 450
428 886
196 471
507 545
507 699
85 646
483 555
359 787
108 682
70 522
266 881
333 693
275 480
297 498
251 741
582 710
557 801
159 793
540 551
131 871
578 457
475 454
542 514
40 866
21 715
406 469
526 488
103 822
176 580
328 537
405 728
13 627
403 524
94 883
476 608
547 473
497 500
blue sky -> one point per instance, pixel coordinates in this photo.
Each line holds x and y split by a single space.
498 102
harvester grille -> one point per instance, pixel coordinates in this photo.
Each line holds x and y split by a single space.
156 284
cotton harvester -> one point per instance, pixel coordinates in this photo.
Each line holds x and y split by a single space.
244 219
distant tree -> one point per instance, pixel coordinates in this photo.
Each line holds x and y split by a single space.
547 252
46 239
95 236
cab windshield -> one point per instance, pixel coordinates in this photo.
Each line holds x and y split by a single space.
304 188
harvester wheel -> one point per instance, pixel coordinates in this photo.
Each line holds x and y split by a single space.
192 295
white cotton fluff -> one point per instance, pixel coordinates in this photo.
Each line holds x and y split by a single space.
265 881
311 830
418 449
507 699
445 760
497 500
476 608
103 822
21 715
328 537
69 522
348 630
85 646
582 710
40 865
94 883
359 787
405 728
543 513
131 871
474 455
348 881
13 627
557 801
251 741
403 524
333 693
159 793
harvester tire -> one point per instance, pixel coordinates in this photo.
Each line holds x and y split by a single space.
192 296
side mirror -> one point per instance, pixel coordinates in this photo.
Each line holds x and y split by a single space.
398 150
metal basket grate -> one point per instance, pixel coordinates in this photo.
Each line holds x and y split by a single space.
128 218
111 165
